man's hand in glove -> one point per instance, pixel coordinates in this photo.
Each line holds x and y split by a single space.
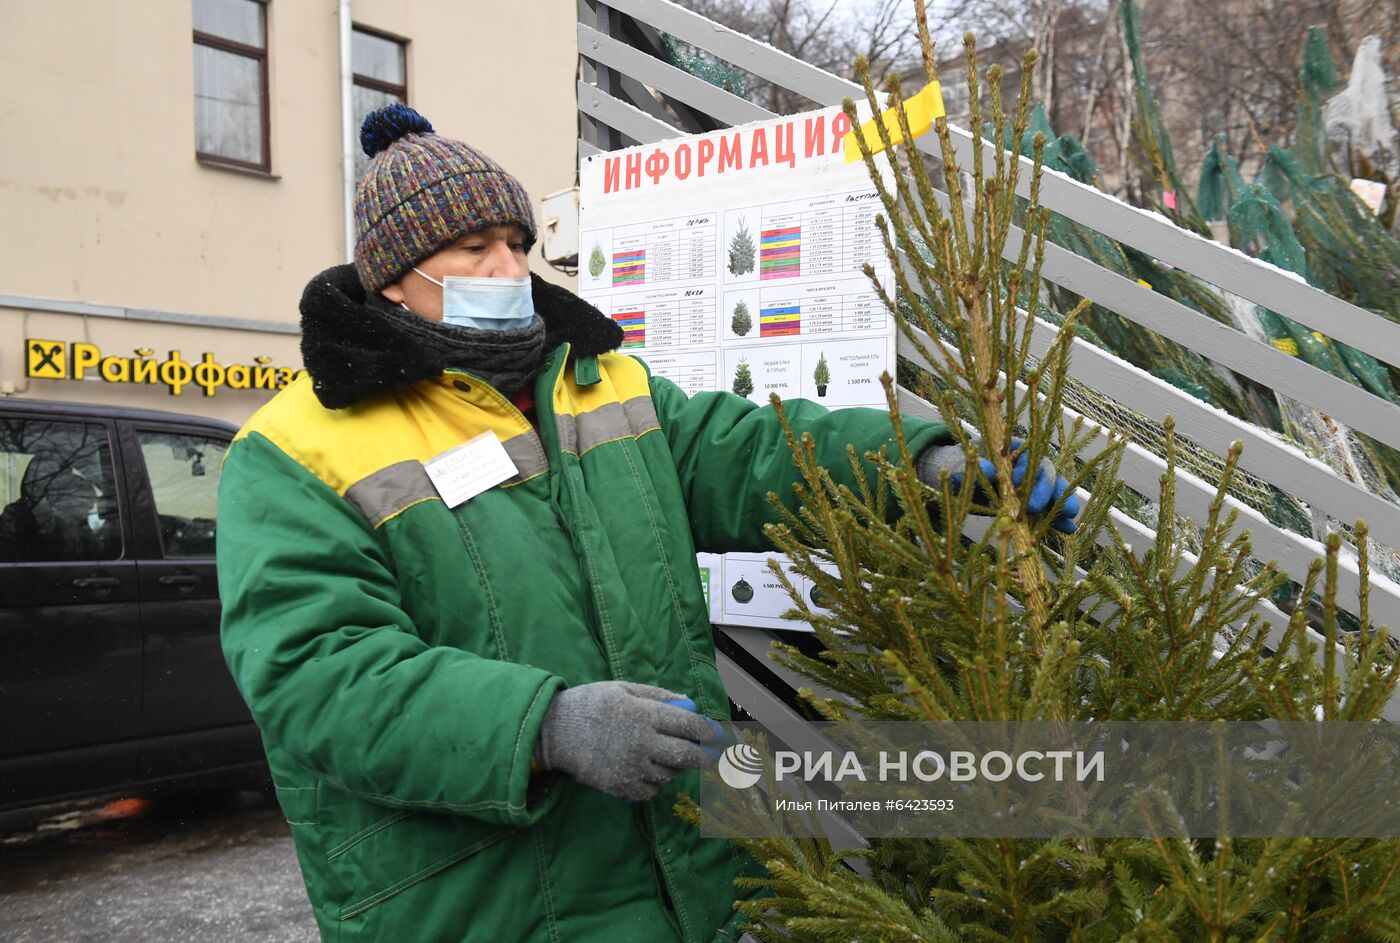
1046 489
622 738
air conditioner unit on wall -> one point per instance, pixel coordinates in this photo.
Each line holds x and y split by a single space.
559 232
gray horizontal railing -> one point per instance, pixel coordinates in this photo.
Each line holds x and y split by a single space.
1266 456
1141 470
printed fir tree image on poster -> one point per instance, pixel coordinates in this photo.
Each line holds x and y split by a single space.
733 261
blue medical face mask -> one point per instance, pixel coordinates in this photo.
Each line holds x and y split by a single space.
486 304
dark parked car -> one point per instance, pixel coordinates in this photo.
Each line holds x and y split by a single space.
110 669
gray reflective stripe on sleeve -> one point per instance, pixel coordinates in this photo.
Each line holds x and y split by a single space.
388 491
641 414
607 423
527 452
568 433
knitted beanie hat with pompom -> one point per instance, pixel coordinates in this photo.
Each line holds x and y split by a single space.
421 191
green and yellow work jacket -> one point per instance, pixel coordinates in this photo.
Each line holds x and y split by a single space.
399 656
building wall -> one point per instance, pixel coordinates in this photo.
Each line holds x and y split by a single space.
106 210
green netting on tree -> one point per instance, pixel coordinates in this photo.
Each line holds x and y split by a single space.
1137 345
1349 253
1180 366
1272 175
716 73
1221 184
1318 77
1151 133
1265 230
1078 162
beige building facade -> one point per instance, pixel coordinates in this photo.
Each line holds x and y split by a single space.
136 272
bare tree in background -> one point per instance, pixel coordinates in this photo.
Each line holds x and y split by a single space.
828 34
1226 67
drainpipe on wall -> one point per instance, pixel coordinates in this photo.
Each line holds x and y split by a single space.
347 128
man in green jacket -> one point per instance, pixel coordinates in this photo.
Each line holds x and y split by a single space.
460 594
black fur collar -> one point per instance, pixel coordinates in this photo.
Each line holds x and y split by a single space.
352 352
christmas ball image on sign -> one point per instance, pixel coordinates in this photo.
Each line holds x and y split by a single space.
741 591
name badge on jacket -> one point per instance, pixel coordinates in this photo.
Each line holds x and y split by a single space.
463 472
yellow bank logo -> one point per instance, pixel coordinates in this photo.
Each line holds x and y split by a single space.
59 360
47 359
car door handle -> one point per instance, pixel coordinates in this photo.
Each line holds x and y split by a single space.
96 582
179 579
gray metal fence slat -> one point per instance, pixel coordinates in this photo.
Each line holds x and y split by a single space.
1283 465
1225 345
666 78
759 643
617 114
1207 260
767 708
1156 235
588 149
1142 470
1264 455
1294 553
738 49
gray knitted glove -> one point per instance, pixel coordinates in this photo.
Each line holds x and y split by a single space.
618 737
1047 486
936 459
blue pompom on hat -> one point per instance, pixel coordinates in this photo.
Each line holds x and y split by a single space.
386 125
421 191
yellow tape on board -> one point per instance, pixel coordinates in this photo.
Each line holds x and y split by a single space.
922 110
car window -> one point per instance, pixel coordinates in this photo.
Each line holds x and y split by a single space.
58 499
184 471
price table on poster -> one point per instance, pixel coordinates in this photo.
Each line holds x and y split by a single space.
665 250
843 307
674 318
695 372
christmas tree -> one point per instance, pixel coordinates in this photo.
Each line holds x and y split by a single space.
741 251
596 262
743 380
1026 623
822 374
741 323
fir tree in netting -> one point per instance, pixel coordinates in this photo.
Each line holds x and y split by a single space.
742 322
596 262
742 251
929 620
743 379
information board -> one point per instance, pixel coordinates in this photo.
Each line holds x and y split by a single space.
733 261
